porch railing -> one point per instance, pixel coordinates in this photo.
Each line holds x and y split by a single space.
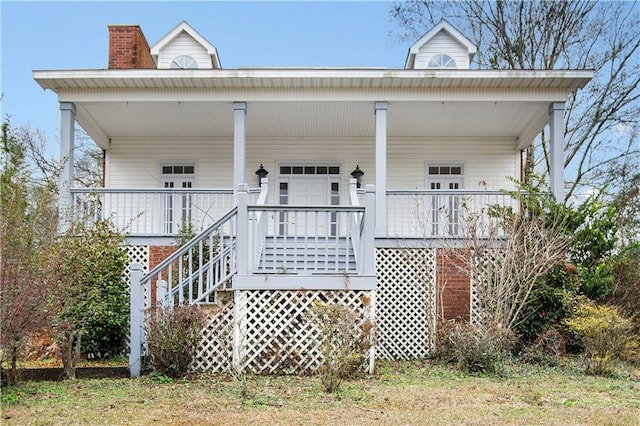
422 213
305 239
152 211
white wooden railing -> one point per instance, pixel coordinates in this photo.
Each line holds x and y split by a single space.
152 211
196 270
422 213
307 239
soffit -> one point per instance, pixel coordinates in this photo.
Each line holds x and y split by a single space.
308 119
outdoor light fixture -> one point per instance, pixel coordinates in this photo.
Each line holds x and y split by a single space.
357 175
262 173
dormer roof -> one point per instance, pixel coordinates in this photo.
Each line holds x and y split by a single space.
452 33
182 29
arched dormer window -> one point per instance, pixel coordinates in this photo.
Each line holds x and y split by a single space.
442 61
184 62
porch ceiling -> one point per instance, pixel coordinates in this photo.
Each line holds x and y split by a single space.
301 119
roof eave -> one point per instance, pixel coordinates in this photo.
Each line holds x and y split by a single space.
55 80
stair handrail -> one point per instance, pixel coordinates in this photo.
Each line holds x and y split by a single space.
164 270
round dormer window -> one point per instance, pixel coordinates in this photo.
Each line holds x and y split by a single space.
184 62
442 61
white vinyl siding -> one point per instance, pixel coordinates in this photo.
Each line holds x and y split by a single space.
442 43
487 162
184 44
136 163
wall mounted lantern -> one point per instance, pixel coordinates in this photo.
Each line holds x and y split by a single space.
262 173
357 175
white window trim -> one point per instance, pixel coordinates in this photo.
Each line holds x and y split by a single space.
184 59
440 56
429 178
164 163
330 178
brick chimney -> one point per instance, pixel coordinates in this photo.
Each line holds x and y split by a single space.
128 48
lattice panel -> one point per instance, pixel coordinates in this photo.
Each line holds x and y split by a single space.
138 254
215 350
480 282
276 334
405 302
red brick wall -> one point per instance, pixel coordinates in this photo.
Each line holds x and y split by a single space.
453 286
156 255
128 48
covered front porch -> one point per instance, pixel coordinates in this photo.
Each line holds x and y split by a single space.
178 146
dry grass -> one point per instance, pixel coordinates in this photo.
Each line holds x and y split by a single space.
401 393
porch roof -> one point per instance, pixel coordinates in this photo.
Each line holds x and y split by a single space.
312 102
280 78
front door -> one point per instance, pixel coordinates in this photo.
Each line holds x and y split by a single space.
306 191
309 185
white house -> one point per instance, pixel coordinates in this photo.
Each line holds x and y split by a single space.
187 140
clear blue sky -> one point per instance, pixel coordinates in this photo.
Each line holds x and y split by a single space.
51 35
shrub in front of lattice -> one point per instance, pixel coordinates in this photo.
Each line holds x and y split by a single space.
173 335
475 348
344 341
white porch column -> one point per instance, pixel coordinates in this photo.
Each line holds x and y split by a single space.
381 168
136 319
67 131
239 146
556 168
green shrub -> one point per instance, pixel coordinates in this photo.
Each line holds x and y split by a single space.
89 299
606 336
551 302
343 343
173 335
475 349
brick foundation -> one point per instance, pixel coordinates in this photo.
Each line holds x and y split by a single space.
452 285
156 255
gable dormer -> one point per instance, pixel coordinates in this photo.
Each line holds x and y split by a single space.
442 47
183 47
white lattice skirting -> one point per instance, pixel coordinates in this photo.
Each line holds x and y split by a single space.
405 303
480 278
275 333
276 336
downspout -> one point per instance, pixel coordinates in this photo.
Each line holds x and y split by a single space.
104 166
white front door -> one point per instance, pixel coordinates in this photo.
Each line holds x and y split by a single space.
309 185
306 191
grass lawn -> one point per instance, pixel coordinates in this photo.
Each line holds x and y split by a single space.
401 393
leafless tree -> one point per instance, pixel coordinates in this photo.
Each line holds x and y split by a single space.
46 167
505 254
602 120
